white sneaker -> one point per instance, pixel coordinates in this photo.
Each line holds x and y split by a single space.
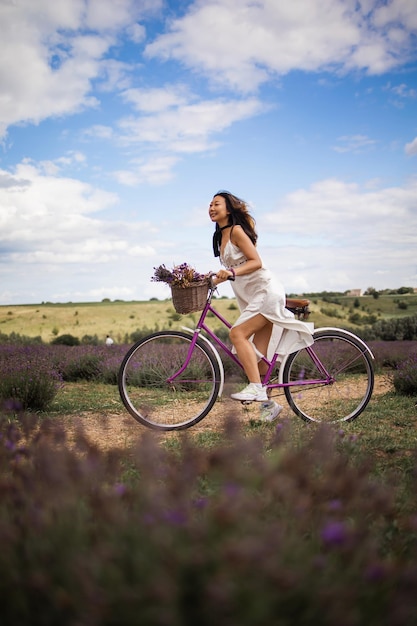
269 411
251 393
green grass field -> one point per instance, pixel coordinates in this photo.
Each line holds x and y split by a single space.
102 318
120 318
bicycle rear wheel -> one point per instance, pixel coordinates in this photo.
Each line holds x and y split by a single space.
154 389
335 375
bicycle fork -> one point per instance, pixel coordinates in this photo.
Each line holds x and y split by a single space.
187 360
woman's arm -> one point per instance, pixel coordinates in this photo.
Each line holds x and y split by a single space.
240 239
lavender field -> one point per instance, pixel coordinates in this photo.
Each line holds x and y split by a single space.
33 373
280 524
254 529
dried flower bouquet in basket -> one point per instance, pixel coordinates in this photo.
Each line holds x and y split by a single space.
180 276
188 287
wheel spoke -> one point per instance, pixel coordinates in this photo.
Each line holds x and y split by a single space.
159 391
349 369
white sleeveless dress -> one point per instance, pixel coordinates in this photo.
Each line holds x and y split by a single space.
259 292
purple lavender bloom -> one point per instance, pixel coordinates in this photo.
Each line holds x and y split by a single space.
13 405
10 445
120 489
375 572
334 505
334 533
149 519
231 490
175 517
200 503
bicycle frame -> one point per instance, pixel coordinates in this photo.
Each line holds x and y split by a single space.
271 364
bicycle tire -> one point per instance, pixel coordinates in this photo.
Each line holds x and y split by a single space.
349 388
146 391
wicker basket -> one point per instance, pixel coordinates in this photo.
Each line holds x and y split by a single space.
190 299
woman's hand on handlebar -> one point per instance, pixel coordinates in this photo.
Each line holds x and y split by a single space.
221 276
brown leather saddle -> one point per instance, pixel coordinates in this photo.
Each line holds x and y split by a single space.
298 306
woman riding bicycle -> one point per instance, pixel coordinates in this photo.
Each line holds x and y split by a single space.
264 322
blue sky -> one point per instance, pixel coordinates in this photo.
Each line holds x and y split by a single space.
119 120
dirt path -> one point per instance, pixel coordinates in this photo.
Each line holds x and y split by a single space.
120 430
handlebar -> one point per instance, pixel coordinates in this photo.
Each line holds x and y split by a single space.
213 274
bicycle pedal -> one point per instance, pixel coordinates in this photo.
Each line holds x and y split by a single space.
246 402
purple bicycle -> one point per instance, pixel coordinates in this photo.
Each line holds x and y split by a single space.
170 380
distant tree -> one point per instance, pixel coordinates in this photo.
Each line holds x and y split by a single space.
396 329
66 340
371 291
355 318
90 340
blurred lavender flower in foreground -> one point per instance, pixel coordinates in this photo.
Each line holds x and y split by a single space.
334 534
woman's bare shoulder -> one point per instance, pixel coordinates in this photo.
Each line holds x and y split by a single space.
237 233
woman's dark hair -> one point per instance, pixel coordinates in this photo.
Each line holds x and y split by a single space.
238 215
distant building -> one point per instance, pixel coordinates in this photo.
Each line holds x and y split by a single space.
355 293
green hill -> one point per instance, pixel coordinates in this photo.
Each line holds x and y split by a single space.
117 319
359 311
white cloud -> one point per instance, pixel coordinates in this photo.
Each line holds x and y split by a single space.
354 143
136 32
73 158
154 100
345 233
402 90
99 131
59 240
390 15
400 93
411 148
156 171
55 241
169 122
344 211
52 51
47 219
114 75
242 43
174 122
182 126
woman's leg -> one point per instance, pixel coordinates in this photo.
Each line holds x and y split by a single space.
261 329
261 341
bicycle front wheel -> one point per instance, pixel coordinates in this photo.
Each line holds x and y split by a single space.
159 390
332 380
